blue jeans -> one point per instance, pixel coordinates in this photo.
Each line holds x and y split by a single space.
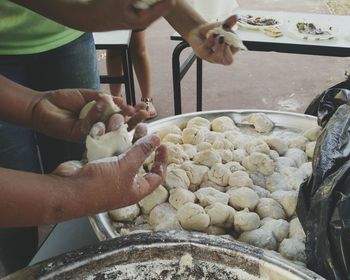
71 66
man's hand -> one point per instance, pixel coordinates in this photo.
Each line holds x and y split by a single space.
57 113
213 48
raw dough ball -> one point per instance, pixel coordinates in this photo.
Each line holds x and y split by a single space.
163 218
230 38
293 249
195 172
158 196
274 155
162 132
306 169
277 144
298 142
175 153
204 146
280 228
190 150
246 221
111 108
240 141
226 156
297 155
259 162
219 213
222 124
240 179
261 122
283 162
173 138
257 145
193 136
239 155
296 230
313 133
268 207
212 136
207 158
193 217
219 174
125 214
288 200
261 192
179 197
243 198
176 178
258 179
276 182
234 166
112 143
310 148
209 184
222 144
261 238
207 196
199 122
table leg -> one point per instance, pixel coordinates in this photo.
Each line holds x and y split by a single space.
127 73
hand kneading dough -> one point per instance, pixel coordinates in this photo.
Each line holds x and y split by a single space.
219 174
280 228
288 200
240 179
293 249
112 143
259 162
179 197
207 196
193 217
192 135
176 178
207 158
260 121
261 238
246 221
125 214
230 38
222 124
243 198
268 207
163 218
219 213
110 109
158 196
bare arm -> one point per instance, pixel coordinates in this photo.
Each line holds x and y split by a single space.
97 15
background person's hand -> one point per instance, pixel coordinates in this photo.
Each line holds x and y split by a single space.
213 49
57 113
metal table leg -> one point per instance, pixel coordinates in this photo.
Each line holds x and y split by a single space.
128 77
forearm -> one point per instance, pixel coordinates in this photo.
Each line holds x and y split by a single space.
31 199
183 18
17 102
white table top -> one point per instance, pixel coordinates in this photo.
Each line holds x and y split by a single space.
110 38
340 23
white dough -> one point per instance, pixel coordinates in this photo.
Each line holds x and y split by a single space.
293 249
240 179
296 230
243 198
261 238
298 142
280 228
158 196
111 108
268 207
260 121
176 178
175 153
222 124
234 166
112 143
207 158
125 214
199 122
297 155
193 135
212 136
276 182
219 213
246 221
219 174
310 148
313 133
222 144
226 155
195 172
173 138
162 132
190 150
207 196
193 217
261 192
257 145
239 155
209 184
163 218
288 200
277 144
179 197
259 162
204 146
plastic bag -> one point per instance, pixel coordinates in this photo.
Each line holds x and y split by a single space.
324 201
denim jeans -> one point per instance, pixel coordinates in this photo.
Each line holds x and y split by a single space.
73 65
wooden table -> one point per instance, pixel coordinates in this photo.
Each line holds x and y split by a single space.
118 40
257 41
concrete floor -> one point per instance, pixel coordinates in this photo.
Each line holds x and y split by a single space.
260 80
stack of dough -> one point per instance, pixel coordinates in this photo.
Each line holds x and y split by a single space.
225 178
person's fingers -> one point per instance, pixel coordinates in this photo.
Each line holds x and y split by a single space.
140 106
140 131
138 153
98 129
92 117
68 168
228 23
207 27
114 122
160 163
137 118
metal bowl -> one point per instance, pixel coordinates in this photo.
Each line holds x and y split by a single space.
156 256
284 123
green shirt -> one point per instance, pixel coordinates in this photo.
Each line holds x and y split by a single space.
25 32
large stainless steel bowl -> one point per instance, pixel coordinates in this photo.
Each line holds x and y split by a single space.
172 255
284 122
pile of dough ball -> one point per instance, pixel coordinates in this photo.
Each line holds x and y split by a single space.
224 179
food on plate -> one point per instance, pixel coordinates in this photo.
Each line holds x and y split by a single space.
273 31
257 22
240 180
312 31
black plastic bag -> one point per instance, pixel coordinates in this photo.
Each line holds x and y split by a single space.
324 201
